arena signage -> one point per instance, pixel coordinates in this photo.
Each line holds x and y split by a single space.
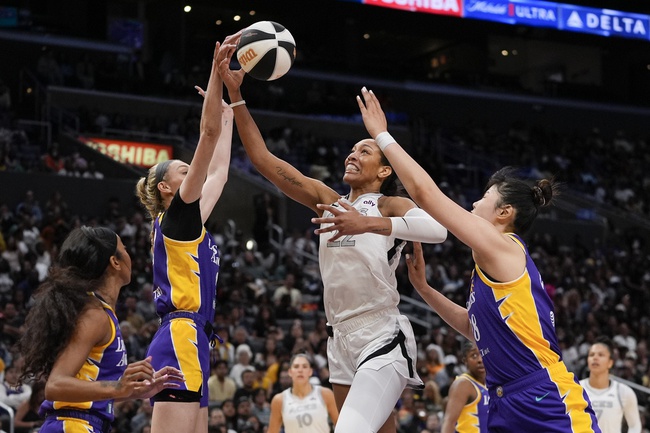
130 152
605 22
441 7
533 13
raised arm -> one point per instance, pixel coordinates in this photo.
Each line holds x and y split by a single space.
488 244
219 165
210 129
288 179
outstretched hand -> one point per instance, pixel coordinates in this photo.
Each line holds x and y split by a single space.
141 381
416 267
231 78
373 116
346 220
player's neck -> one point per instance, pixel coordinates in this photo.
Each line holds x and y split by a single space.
479 378
301 391
599 381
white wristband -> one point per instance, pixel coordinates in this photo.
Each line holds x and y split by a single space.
238 103
383 139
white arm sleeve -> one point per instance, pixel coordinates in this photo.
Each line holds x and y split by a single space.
630 409
417 225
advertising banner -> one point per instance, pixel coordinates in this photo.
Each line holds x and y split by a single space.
440 7
533 13
605 22
130 152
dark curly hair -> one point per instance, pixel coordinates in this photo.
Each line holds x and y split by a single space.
63 296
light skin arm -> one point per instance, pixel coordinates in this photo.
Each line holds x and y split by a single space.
449 311
461 392
275 421
210 129
219 166
288 179
330 403
495 253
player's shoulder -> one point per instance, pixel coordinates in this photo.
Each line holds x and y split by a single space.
624 388
393 205
277 398
325 391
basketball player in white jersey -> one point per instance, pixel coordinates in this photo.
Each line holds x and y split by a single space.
303 407
611 400
371 350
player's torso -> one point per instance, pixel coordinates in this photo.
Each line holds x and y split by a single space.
513 324
358 271
306 415
185 273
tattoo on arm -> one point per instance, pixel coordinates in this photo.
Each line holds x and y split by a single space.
289 179
111 384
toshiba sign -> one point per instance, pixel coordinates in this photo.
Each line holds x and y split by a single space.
442 7
130 152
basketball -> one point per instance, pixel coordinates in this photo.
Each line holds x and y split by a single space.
266 50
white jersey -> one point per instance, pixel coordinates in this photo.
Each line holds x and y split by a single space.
358 271
305 415
611 404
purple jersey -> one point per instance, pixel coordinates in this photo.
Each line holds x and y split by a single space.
106 362
530 388
513 324
185 273
185 280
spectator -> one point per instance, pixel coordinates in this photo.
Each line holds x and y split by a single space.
243 407
284 382
27 417
247 388
288 288
12 393
230 412
143 416
221 386
261 407
244 356
29 207
217 420
223 349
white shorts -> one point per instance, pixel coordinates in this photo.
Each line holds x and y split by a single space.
373 341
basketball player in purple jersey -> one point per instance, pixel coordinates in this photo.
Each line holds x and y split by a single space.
72 337
180 198
508 313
